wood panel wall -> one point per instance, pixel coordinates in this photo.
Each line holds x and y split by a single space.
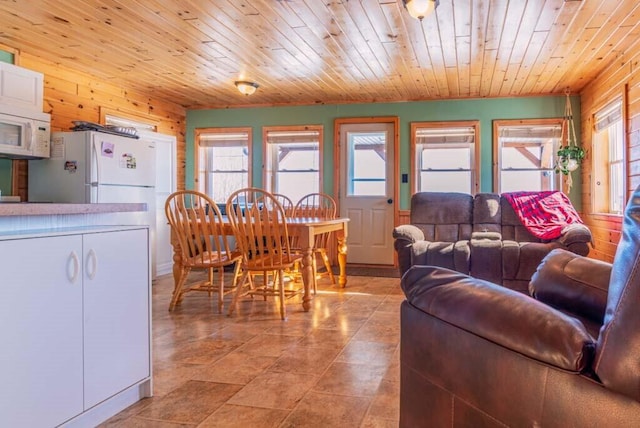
403 217
71 95
621 78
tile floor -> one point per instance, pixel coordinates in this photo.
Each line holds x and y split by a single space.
334 366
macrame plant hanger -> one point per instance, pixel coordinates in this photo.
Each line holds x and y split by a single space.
569 154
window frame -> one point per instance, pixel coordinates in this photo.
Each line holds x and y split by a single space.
475 162
120 117
497 147
234 130
267 175
595 205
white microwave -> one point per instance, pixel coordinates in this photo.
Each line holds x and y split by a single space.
24 134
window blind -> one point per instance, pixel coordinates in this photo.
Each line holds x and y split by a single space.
284 137
608 115
458 135
529 133
219 139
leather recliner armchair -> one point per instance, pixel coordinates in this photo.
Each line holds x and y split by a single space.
474 354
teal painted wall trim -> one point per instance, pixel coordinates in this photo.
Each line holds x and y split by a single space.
7 57
483 110
5 164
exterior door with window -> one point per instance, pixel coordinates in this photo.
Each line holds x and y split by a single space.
367 189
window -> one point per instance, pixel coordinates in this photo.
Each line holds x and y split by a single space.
608 160
292 160
526 154
222 161
129 123
445 156
367 163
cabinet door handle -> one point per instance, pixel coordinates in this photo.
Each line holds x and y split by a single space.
92 264
73 267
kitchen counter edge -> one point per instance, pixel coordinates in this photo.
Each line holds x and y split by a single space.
34 208
63 231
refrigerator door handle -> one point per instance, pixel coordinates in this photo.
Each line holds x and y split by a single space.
96 169
97 161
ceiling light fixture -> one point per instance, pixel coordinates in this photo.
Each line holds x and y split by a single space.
245 87
420 8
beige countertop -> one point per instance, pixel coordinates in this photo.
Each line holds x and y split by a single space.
35 209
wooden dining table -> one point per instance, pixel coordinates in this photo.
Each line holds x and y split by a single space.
306 230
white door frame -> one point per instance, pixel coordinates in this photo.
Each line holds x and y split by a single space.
339 164
170 174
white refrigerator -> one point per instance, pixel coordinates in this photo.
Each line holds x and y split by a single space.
94 167
97 167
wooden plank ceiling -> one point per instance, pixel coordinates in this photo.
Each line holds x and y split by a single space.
331 51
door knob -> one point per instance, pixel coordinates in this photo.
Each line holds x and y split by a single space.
389 201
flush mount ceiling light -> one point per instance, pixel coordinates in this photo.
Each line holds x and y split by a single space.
420 8
245 87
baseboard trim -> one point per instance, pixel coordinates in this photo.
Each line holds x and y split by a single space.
110 407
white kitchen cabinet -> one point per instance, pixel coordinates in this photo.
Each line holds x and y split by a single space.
21 87
75 325
116 315
40 331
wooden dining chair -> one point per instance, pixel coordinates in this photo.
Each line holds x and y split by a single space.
198 230
318 205
260 229
286 202
287 206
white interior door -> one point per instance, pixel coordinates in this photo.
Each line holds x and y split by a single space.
165 185
366 190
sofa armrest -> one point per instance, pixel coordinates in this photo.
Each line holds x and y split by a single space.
493 236
573 283
405 236
575 234
502 316
408 232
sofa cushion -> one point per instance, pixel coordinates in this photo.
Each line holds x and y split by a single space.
486 257
487 214
442 216
452 255
512 227
521 259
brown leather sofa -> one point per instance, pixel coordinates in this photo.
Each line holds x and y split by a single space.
474 354
478 235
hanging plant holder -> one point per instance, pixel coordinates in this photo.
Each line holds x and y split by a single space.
569 158
569 155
